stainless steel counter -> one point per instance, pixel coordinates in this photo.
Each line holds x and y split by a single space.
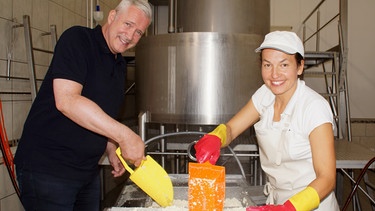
352 155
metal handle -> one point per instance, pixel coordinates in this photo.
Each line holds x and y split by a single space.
191 151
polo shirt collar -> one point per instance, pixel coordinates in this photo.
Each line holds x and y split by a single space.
101 40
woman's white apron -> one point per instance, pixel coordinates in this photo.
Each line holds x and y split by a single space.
287 162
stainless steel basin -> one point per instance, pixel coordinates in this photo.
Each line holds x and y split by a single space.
133 198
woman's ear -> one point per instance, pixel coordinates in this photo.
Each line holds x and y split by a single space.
300 67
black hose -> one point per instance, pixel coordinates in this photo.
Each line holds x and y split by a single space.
363 172
196 133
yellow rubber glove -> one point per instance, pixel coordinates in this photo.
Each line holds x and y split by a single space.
307 199
221 132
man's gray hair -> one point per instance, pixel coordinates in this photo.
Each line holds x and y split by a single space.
143 5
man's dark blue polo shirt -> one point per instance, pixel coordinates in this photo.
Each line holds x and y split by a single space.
52 143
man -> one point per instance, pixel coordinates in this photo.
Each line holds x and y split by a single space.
72 120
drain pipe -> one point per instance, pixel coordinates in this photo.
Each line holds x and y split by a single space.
91 14
171 17
142 119
156 21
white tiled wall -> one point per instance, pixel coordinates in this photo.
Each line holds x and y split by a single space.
42 13
363 132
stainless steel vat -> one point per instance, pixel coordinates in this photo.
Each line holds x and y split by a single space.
196 78
205 74
234 16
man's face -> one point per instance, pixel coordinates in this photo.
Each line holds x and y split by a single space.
125 28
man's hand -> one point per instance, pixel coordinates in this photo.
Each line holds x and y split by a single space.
118 168
133 149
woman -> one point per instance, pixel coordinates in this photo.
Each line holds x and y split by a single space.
294 128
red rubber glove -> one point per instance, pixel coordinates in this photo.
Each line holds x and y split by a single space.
287 206
208 149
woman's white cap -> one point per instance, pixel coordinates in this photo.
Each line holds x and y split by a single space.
285 41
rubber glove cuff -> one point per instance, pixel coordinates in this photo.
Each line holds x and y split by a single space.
221 132
307 199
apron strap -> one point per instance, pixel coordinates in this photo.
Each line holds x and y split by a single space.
284 128
268 190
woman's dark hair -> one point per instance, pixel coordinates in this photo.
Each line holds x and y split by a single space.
299 58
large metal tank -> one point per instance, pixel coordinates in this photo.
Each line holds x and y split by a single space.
206 73
224 16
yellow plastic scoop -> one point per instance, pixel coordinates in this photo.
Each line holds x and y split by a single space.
152 179
206 187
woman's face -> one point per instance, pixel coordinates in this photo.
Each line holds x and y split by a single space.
280 72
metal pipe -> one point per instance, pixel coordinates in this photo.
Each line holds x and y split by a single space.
171 17
317 29
30 55
53 35
87 13
91 14
142 125
175 16
313 34
43 50
14 77
312 12
156 20
9 61
130 88
10 47
343 73
348 110
304 34
15 93
162 143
